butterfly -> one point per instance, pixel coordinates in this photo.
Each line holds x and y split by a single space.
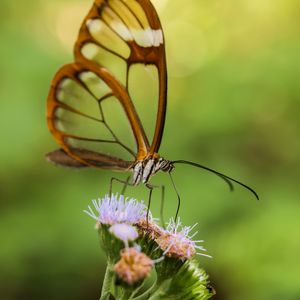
127 31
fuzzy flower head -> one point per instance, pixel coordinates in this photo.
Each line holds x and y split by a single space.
177 241
133 266
116 209
124 232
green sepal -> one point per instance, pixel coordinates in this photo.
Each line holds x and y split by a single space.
149 246
189 283
166 269
110 244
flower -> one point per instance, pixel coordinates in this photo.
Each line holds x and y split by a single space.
135 246
124 232
133 266
115 209
176 241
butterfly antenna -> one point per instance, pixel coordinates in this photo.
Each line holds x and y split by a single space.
226 178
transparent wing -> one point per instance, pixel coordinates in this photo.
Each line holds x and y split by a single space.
76 117
120 35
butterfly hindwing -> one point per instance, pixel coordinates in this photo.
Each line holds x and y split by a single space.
76 116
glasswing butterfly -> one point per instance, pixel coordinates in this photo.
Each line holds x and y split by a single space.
128 31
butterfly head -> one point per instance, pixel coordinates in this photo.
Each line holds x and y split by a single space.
144 169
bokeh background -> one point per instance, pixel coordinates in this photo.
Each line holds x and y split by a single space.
234 105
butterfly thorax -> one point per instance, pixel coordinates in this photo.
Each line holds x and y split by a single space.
144 169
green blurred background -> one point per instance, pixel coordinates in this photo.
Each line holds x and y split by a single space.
234 105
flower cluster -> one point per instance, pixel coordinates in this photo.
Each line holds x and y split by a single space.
136 245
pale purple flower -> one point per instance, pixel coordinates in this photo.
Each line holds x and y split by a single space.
117 209
124 232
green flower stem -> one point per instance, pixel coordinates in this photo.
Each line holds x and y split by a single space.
107 283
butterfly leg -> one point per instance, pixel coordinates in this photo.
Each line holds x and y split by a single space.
162 187
178 197
162 204
150 187
126 183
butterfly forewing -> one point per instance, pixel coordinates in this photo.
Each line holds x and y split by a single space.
95 104
119 34
144 91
